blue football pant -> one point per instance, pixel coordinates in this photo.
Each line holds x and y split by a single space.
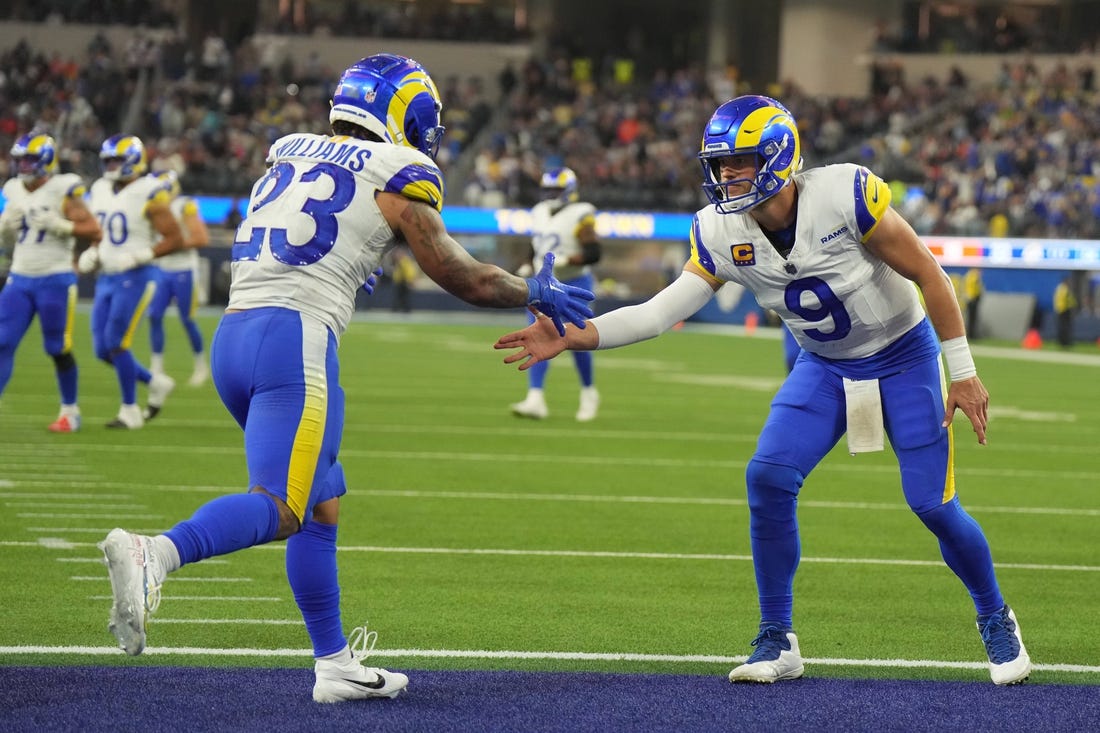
120 302
178 286
536 375
807 419
53 299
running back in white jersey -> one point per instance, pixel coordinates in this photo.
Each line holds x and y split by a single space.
186 259
838 299
39 252
554 229
121 214
313 233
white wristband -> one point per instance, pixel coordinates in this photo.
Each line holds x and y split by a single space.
960 363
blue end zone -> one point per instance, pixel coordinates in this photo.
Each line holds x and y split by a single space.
265 700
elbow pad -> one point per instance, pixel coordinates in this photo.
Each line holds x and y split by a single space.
681 299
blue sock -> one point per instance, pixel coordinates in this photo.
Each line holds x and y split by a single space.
311 570
773 531
966 551
536 375
124 363
224 525
584 361
156 334
67 384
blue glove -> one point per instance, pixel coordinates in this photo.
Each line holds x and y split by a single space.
372 281
557 300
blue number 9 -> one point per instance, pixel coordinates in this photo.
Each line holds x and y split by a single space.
830 307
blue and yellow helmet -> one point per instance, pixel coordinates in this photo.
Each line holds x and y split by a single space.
123 158
559 183
393 97
755 125
34 156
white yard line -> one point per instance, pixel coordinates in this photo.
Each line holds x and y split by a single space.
518 655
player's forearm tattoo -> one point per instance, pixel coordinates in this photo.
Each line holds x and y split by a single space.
475 282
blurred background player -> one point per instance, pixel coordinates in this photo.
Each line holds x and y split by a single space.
138 226
43 217
565 225
176 282
318 225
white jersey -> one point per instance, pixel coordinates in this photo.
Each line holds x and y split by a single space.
38 252
554 229
184 260
313 232
838 299
121 214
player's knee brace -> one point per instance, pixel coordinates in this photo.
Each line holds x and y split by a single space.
63 362
772 491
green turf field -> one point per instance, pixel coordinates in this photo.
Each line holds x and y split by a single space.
472 539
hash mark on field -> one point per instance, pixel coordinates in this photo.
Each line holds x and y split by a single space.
50 515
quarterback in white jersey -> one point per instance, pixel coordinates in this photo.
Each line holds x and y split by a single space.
825 251
138 226
564 225
176 282
43 216
316 228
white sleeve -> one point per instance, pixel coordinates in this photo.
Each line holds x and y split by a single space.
633 323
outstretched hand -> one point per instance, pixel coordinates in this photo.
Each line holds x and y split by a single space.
556 299
970 396
538 342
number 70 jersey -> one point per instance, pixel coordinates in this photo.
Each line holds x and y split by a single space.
312 232
839 300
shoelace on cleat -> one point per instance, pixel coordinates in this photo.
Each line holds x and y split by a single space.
769 643
1000 642
361 642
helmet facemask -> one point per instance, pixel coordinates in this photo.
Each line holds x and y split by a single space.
750 125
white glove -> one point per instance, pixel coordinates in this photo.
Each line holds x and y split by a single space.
11 219
525 270
123 261
88 260
50 221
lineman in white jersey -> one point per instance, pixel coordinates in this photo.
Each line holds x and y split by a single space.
317 226
824 249
43 217
565 225
176 282
138 226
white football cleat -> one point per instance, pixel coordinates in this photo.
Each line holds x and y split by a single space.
135 584
1009 663
590 404
160 386
129 417
534 406
200 375
343 677
776 658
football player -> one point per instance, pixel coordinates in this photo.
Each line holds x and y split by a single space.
176 282
138 226
824 250
566 226
43 217
317 226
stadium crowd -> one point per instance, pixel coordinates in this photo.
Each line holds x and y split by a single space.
1016 158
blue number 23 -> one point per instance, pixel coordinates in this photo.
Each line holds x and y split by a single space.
322 211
